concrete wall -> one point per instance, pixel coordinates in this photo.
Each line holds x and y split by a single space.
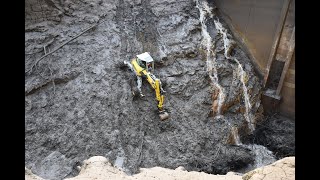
255 21
254 24
287 103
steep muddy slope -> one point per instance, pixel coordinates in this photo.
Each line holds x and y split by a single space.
79 104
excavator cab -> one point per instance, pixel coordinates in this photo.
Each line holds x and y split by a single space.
146 61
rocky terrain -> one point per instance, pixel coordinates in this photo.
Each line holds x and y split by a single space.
98 167
78 104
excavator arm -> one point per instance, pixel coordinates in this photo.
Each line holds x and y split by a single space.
155 83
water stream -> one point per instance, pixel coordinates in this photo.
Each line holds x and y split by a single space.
206 11
228 44
263 156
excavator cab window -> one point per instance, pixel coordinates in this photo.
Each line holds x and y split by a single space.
141 63
149 66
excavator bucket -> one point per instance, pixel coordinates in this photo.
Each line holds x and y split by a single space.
163 116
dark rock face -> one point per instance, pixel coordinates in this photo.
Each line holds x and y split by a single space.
277 133
79 104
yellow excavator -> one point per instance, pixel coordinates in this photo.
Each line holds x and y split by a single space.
143 66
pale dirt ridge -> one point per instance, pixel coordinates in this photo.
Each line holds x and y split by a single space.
98 167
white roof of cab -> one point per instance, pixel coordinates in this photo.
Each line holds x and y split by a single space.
145 57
